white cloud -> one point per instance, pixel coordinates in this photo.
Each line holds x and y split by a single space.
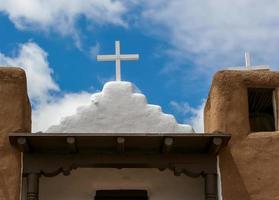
61 16
51 113
216 33
193 116
103 80
211 34
48 109
33 59
184 108
94 50
197 118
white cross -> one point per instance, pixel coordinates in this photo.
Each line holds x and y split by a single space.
248 65
247 60
117 58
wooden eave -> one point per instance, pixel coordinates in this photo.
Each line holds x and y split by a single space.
156 143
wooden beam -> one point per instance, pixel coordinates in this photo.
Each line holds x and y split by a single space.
120 144
71 142
52 164
23 144
215 145
167 145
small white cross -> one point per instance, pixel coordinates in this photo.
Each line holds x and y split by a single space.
248 65
247 60
117 58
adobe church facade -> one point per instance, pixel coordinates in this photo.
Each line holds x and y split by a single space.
241 103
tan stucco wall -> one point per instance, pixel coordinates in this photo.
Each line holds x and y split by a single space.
249 165
14 117
82 184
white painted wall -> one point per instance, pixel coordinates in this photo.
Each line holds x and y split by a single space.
82 184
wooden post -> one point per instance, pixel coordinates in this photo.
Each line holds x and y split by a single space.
210 186
33 186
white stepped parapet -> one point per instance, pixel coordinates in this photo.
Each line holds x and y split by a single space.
118 109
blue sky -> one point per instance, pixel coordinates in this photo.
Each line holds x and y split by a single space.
181 45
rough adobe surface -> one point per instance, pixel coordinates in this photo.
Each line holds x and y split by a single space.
14 117
249 165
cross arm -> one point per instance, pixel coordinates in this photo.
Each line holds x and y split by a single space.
106 57
129 57
243 68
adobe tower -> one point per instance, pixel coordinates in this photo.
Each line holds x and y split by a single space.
245 104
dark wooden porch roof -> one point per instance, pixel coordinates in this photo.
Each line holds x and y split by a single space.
54 153
112 142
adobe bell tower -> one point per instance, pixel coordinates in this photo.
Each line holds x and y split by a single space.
245 104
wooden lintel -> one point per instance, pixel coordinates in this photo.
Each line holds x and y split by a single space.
53 164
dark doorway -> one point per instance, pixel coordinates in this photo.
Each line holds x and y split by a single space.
261 109
121 195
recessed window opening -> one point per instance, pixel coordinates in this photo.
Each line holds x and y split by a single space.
262 112
121 195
